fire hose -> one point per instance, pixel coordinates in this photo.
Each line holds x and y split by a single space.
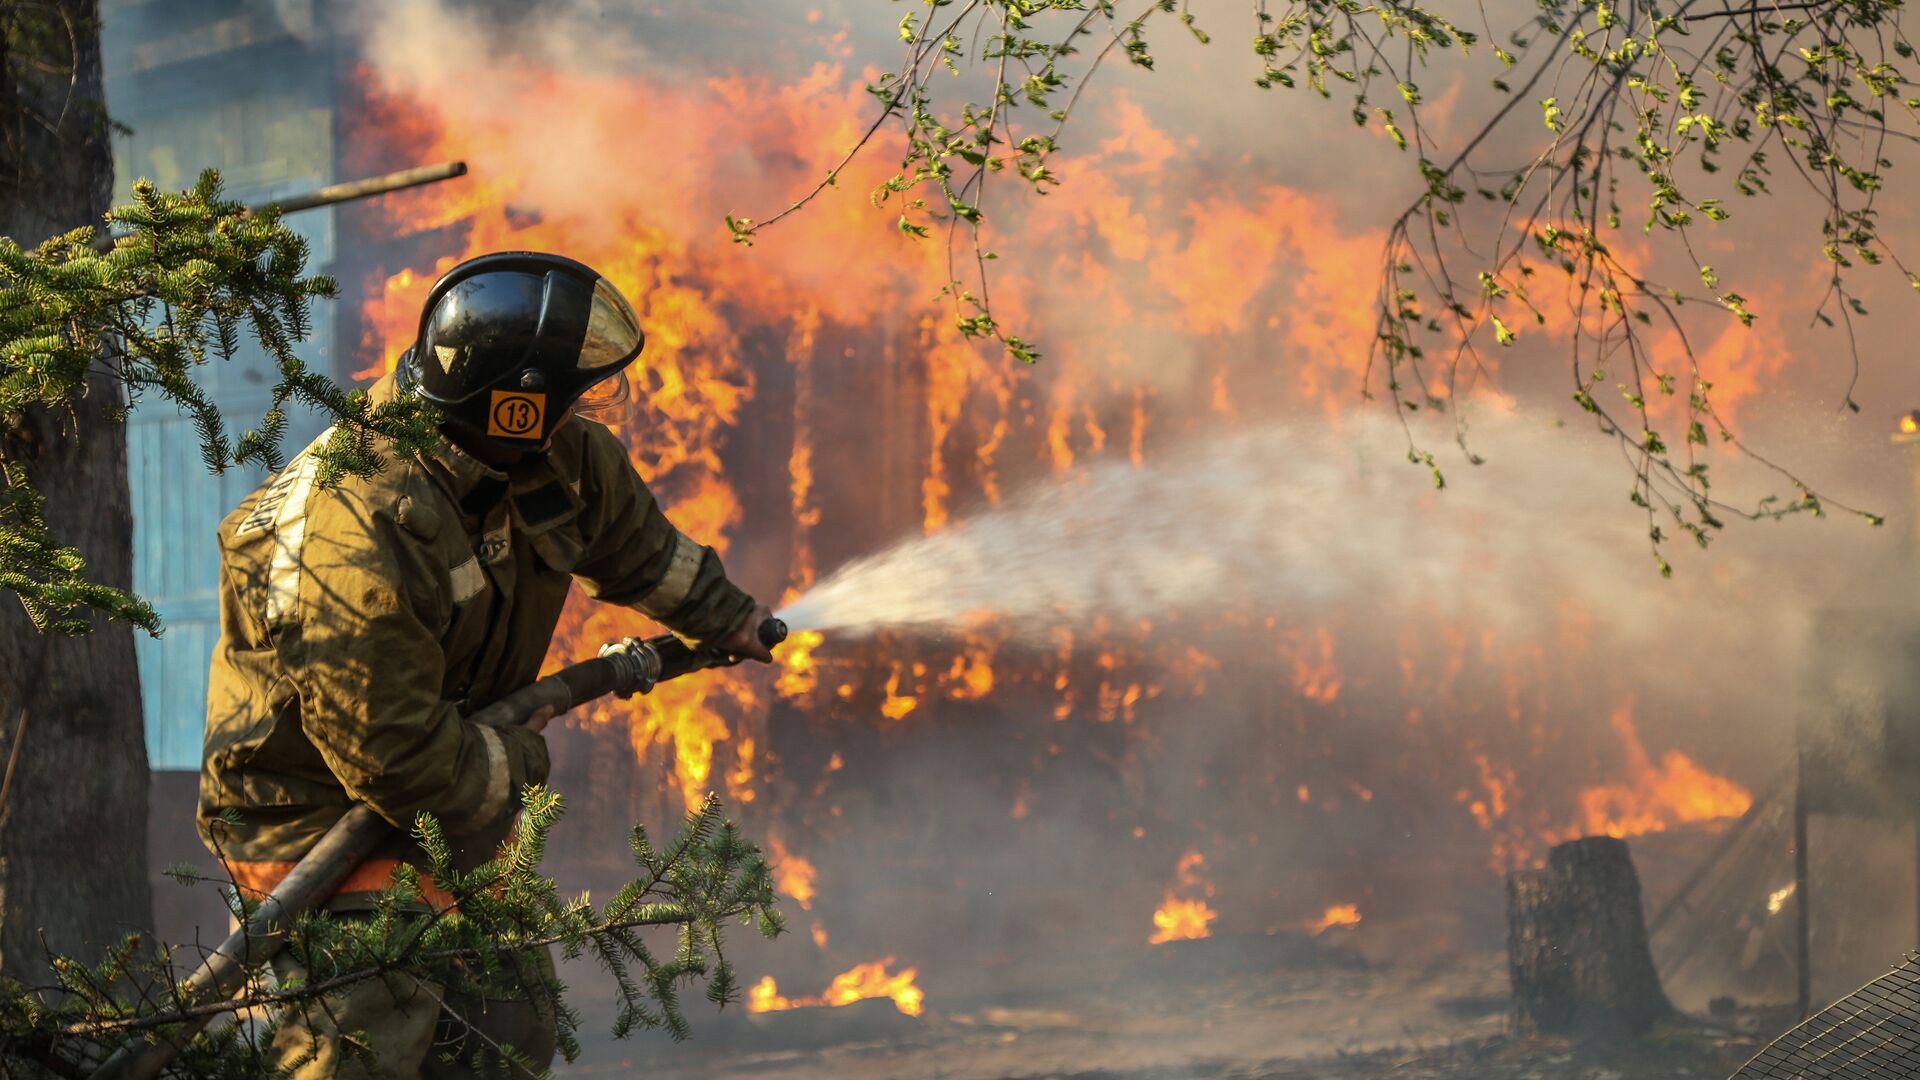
626 667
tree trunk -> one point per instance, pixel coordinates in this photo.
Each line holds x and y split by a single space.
73 865
1577 945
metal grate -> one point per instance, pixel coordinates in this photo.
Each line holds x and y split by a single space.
1871 1034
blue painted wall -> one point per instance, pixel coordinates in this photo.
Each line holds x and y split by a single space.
247 87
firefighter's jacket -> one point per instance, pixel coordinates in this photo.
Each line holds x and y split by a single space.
361 622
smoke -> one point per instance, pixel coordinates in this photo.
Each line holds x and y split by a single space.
1291 520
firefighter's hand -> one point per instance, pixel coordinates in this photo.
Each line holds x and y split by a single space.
538 721
744 641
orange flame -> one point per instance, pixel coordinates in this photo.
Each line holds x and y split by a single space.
1181 920
800 574
1186 918
897 705
1314 674
1654 798
1338 915
971 675
793 875
764 996
863 982
798 675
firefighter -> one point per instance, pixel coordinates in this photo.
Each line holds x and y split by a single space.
361 622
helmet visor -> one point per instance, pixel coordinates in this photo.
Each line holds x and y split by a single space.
613 330
605 400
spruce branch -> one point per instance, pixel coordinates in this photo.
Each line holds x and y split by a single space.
193 272
505 913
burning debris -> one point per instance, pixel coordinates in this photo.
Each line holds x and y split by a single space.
1185 917
1181 920
863 982
1339 915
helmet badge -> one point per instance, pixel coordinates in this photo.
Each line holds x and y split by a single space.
515 414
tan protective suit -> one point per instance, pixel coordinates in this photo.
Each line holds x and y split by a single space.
360 623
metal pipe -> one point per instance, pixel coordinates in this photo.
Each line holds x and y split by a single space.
362 189
334 194
624 667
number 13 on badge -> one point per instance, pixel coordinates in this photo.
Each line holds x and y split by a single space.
515 414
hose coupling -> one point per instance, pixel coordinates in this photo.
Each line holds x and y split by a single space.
636 666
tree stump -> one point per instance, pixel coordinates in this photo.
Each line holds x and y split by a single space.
1577 945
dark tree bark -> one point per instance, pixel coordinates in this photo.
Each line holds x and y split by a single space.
1577 945
73 863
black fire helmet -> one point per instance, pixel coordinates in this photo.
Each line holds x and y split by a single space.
509 341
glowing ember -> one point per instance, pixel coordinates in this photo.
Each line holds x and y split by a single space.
897 705
1314 674
1337 915
971 675
862 983
1778 898
1909 424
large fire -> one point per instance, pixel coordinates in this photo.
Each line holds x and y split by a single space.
1170 305
863 982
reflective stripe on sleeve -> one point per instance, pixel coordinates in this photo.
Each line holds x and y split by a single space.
678 581
290 492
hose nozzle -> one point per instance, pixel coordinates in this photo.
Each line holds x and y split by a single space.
642 663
